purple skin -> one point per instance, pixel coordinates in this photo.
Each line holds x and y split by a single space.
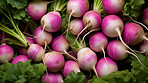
51 22
60 44
52 78
104 68
116 50
76 26
18 58
6 53
133 34
87 59
144 47
113 7
93 18
40 36
145 16
54 61
23 51
110 24
98 41
35 52
70 66
78 7
37 9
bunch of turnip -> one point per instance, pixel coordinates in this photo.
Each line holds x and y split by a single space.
97 42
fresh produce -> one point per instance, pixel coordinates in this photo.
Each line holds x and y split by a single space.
18 58
69 66
133 34
73 41
52 78
42 37
114 7
105 67
54 61
6 53
37 8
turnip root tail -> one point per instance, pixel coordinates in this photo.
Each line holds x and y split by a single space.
88 34
66 31
70 55
94 69
81 32
119 33
137 58
138 23
145 38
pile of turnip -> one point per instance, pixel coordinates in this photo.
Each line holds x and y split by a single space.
101 41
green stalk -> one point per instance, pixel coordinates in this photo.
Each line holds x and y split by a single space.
97 5
12 33
59 5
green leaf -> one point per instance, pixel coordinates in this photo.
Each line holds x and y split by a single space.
133 8
21 72
75 78
19 14
19 4
139 71
117 77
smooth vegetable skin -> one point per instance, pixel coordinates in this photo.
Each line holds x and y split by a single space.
77 8
37 9
51 22
76 26
144 47
145 16
133 33
6 53
52 78
104 67
60 44
116 50
69 66
98 42
54 61
113 6
42 37
87 59
111 24
35 52
22 58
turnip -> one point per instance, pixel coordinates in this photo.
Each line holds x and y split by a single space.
113 26
145 16
51 22
87 59
36 9
35 52
92 18
54 61
104 68
23 51
77 8
70 66
18 58
52 78
144 47
60 44
133 34
76 25
113 6
118 51
98 42
6 53
42 37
